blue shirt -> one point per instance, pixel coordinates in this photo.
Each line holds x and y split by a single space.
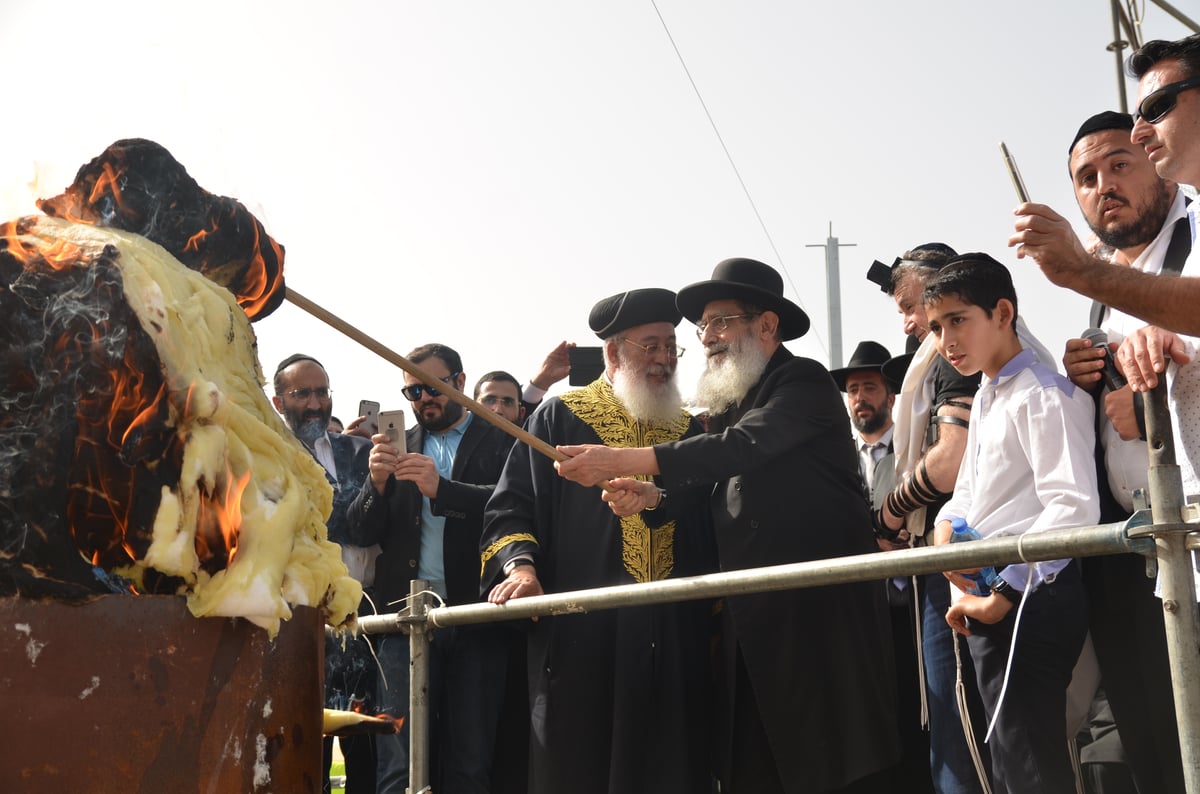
442 447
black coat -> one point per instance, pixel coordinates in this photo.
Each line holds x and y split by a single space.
787 490
394 520
351 457
620 697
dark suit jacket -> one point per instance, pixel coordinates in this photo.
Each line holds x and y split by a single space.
787 489
394 519
351 456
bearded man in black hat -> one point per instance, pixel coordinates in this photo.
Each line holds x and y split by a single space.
619 699
870 397
807 687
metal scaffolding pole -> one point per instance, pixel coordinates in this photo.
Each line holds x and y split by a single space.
1176 580
419 599
1052 545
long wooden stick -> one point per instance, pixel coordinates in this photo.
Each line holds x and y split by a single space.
386 353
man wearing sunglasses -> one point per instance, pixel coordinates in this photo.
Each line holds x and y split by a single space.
304 399
1168 128
619 697
425 508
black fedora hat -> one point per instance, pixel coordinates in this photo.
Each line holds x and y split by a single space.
894 369
867 356
625 310
748 280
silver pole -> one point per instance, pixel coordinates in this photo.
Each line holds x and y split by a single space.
1052 545
1116 47
1179 15
1180 614
418 686
833 295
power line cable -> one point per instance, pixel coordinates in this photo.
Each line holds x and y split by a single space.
736 172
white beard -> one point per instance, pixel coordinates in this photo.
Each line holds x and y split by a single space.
646 401
727 380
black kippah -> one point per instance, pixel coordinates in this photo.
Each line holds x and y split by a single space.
1108 120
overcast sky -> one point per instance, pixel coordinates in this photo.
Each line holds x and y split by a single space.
481 173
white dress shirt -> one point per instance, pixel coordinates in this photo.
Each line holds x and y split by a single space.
1029 462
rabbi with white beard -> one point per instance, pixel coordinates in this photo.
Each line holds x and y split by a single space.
620 698
807 690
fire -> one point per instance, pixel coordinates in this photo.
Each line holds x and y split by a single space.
136 185
219 520
138 451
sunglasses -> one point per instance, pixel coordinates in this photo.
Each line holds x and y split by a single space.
1161 102
413 393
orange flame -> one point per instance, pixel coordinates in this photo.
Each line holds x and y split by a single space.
220 519
107 182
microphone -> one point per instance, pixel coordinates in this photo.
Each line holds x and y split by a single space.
1113 378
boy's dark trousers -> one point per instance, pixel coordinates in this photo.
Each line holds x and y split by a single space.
1029 743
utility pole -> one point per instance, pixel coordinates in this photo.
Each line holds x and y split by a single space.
833 295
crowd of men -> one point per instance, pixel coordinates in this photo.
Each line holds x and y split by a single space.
963 681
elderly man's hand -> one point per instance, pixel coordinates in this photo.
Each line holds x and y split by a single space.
628 496
589 464
522 581
1143 355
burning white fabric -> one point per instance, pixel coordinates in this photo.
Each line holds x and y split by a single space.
244 480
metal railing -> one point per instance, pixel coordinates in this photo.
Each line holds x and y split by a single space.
1160 534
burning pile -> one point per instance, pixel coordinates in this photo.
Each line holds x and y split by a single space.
137 449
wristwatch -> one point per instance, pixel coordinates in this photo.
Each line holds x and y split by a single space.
662 497
513 563
1003 588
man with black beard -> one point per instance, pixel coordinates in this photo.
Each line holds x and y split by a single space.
304 399
425 508
1141 220
870 398
807 700
619 698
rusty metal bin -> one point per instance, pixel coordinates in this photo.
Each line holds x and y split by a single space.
134 694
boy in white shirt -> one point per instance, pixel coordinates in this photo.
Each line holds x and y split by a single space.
1028 467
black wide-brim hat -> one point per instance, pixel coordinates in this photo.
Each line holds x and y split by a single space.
867 356
894 369
750 281
636 307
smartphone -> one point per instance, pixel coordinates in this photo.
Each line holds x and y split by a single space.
369 409
1015 174
586 365
391 424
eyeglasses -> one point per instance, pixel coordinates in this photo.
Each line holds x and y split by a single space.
413 393
323 393
720 323
1161 102
673 351
491 399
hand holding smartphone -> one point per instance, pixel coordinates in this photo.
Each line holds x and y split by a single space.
391 424
370 410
